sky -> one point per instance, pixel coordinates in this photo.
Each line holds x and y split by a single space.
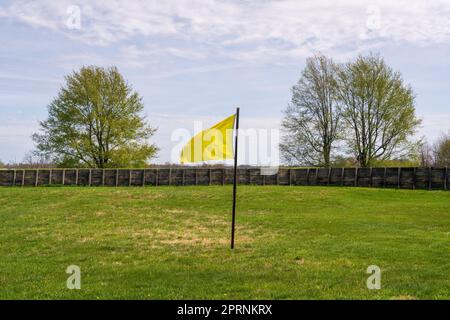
197 60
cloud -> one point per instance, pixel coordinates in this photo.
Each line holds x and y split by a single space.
245 30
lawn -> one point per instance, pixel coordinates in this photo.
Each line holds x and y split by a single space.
173 242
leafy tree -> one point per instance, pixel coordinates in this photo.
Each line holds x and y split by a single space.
95 121
378 108
312 119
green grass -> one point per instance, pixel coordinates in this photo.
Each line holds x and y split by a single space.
173 243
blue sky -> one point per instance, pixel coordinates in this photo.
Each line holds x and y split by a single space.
197 60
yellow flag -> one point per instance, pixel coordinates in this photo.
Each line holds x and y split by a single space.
215 143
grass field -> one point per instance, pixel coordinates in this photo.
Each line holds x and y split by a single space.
173 243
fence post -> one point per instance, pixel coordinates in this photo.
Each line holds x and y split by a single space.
414 178
103 177
264 179
143 177
329 176
90 177
307 177
23 177
14 177
64 177
117 177
157 177
76 177
384 177
50 177
399 175
429 178
317 176
37 178
342 176
356 176
130 172
445 178
170 176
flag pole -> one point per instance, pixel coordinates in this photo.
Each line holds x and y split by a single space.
233 219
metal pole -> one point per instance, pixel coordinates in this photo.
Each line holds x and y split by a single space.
235 178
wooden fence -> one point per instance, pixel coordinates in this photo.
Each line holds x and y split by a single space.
405 178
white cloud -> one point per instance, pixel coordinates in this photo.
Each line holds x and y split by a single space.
247 30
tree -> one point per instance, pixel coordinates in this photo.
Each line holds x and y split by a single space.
378 108
442 151
95 121
426 155
311 121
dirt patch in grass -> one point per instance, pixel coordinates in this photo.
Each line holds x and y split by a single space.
173 210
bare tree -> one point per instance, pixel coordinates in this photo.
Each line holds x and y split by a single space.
426 155
311 122
442 151
378 109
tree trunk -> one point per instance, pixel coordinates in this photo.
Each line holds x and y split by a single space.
326 156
